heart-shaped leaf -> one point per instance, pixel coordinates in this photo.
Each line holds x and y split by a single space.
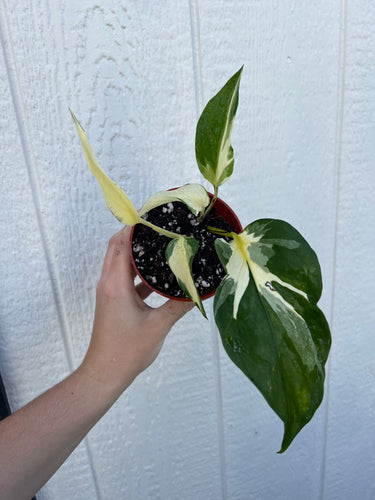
272 328
117 201
213 149
193 195
180 254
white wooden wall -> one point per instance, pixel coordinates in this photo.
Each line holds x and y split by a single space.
137 74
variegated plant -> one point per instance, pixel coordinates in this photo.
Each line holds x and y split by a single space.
266 306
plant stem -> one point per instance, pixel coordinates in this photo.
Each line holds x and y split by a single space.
221 232
212 203
160 230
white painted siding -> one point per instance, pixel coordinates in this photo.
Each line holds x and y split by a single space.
137 74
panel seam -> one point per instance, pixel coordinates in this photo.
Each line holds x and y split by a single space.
196 52
341 81
199 102
28 155
29 158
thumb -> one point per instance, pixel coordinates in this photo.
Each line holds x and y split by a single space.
171 311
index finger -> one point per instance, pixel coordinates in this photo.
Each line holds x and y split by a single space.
120 265
109 254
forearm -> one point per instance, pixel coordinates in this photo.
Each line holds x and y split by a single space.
127 336
36 440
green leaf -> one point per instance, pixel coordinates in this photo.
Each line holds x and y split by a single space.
278 337
213 149
117 201
193 195
180 254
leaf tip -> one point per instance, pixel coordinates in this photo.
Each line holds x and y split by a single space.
238 74
76 122
72 114
282 450
202 310
198 302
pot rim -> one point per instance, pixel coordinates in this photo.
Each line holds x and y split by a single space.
225 210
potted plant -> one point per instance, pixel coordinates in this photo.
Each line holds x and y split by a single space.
266 279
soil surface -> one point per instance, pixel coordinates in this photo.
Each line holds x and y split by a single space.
149 248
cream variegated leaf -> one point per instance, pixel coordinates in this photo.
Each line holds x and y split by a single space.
237 269
117 201
193 195
213 149
180 254
272 328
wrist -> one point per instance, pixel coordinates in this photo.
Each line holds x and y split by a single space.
105 378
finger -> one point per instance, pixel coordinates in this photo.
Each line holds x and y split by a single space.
108 258
143 290
109 254
171 311
120 266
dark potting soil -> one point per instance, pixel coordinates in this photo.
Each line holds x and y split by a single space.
149 248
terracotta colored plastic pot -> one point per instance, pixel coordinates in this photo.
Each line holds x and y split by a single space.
221 208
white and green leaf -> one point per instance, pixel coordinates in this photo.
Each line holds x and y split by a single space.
193 195
268 319
117 201
213 149
180 254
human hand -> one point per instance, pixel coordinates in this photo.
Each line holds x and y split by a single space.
127 336
127 333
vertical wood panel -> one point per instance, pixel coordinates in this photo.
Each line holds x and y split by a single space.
284 141
32 351
350 438
127 71
137 75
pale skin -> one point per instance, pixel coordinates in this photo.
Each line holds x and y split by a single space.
126 338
